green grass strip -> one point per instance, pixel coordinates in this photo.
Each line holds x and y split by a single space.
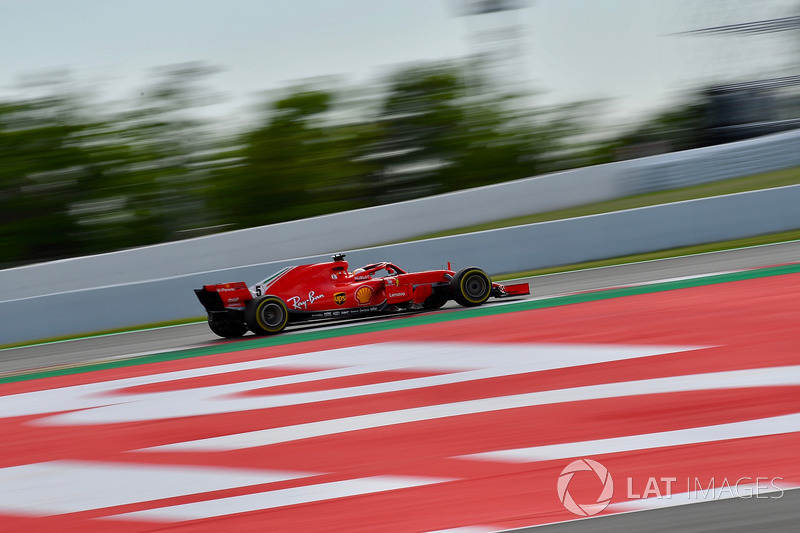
699 249
104 333
408 321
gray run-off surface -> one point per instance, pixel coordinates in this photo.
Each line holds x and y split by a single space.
739 515
514 249
193 335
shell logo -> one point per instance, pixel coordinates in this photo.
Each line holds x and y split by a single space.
364 294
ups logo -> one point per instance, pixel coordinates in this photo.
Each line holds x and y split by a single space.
339 298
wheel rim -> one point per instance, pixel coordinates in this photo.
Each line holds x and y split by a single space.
475 287
272 315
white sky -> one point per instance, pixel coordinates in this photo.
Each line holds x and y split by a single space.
574 49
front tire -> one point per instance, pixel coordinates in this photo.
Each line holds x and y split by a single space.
266 315
471 286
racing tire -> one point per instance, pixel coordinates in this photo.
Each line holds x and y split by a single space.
471 286
228 329
266 315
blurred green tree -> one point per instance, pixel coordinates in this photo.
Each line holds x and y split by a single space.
299 163
681 126
77 179
150 164
40 159
447 127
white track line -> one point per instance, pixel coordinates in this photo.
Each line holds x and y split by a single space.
776 425
277 498
57 487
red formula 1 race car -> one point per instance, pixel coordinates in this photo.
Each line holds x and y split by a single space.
329 291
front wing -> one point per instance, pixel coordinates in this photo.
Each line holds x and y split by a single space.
500 290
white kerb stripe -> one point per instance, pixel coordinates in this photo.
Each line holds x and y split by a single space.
736 430
58 487
759 377
454 363
277 498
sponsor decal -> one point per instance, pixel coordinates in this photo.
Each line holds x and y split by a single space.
339 298
362 277
334 276
364 295
399 294
356 312
298 303
390 282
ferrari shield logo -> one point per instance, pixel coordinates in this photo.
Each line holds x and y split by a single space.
339 298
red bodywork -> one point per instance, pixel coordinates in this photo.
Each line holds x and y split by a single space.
330 290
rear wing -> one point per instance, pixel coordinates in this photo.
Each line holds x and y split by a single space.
224 296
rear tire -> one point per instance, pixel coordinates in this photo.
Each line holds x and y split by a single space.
228 329
471 286
266 315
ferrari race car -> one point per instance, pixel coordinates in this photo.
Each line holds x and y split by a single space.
329 291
